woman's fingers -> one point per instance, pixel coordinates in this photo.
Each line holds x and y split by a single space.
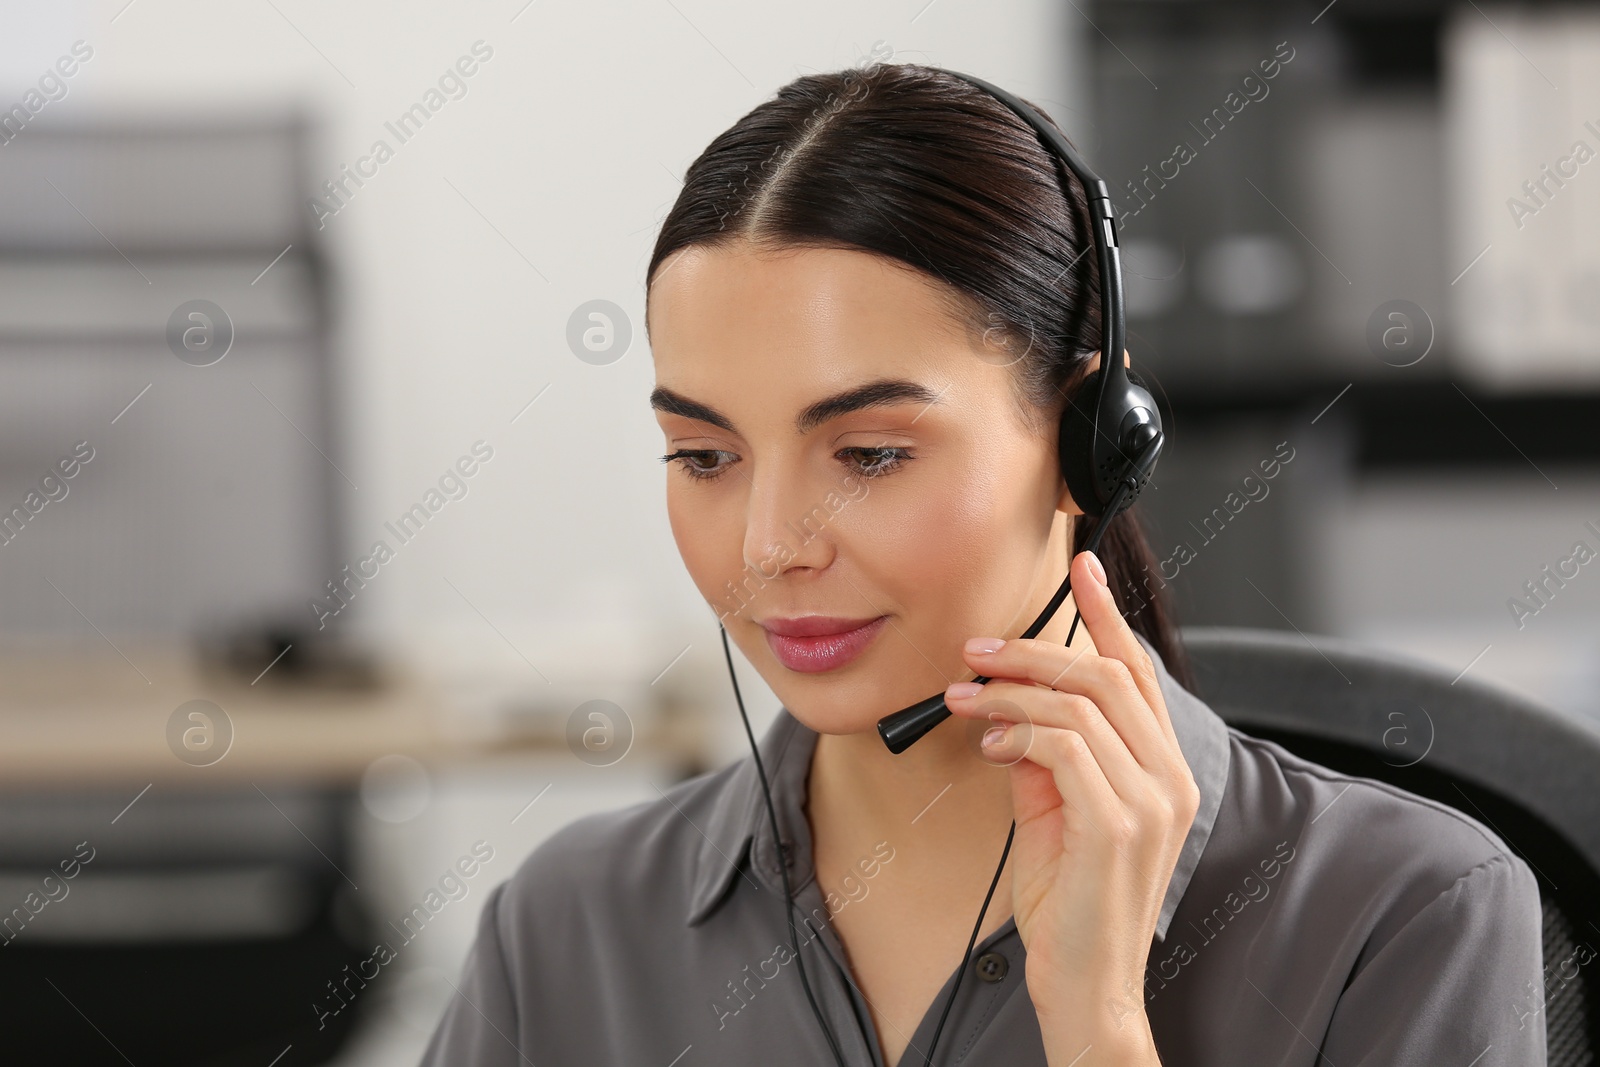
1080 781
1106 682
1110 698
1112 636
1039 716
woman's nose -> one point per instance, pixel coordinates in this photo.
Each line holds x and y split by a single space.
786 523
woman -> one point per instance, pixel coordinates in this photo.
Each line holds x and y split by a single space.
868 309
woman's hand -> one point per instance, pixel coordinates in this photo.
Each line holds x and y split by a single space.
1103 800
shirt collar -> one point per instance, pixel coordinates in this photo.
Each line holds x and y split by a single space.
738 834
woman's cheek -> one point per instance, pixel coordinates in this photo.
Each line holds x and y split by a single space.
700 537
929 554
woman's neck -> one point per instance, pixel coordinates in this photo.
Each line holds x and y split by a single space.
856 777
941 808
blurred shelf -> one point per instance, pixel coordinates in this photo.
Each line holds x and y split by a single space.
1420 423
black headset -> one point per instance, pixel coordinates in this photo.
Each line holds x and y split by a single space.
1107 454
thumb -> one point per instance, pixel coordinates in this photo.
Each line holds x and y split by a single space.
1110 632
1094 599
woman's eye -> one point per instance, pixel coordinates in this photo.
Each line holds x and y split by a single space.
698 463
878 461
702 464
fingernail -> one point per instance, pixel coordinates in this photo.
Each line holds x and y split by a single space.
985 644
962 690
993 736
1095 569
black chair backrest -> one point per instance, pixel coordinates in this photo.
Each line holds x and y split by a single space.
1528 773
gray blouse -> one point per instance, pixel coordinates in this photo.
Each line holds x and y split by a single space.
1313 917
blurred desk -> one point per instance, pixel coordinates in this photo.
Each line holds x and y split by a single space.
82 716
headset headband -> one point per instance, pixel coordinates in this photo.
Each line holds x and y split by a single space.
1111 402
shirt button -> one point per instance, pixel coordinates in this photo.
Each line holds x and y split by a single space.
992 966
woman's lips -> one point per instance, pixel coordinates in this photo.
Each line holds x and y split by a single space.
825 652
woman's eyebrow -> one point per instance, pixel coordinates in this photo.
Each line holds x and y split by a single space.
879 392
664 399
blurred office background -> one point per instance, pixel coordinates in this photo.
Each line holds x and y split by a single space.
240 344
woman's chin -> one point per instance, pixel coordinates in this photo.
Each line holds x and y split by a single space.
835 720
846 706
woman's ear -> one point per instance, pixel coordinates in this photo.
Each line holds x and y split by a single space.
1065 503
1094 362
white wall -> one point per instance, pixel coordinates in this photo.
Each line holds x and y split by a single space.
568 140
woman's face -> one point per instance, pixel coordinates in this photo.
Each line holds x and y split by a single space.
927 505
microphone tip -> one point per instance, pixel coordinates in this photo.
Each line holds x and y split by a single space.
905 727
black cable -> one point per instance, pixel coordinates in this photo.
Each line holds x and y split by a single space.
1092 542
927 1059
783 865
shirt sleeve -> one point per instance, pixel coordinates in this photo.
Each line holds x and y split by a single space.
1461 982
479 1026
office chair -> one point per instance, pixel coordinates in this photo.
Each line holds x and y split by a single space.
1525 771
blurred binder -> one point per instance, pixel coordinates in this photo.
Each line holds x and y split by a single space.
1522 115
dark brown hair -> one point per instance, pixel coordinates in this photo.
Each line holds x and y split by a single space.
914 164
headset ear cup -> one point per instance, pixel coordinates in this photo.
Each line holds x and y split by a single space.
1075 445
